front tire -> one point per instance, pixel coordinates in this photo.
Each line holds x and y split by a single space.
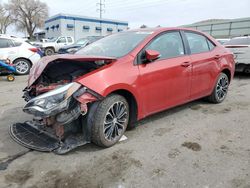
220 90
110 121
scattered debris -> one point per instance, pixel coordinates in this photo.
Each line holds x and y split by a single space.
123 138
192 145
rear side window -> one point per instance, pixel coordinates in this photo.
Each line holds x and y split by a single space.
168 45
69 39
5 43
17 43
198 43
61 40
210 45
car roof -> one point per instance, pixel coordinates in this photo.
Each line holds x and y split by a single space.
162 29
17 39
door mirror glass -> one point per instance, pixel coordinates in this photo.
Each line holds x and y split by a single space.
152 55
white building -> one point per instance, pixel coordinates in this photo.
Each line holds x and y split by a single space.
81 26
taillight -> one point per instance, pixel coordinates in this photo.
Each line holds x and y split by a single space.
8 61
35 50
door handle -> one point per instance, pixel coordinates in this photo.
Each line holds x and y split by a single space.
217 57
186 64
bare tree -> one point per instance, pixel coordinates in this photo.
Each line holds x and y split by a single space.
28 15
5 19
143 26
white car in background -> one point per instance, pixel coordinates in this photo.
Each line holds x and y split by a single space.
20 52
240 46
51 46
223 41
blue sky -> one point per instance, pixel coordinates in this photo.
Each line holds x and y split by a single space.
154 12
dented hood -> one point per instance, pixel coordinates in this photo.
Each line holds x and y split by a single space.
38 68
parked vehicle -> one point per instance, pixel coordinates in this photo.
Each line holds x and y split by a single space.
240 46
70 49
21 53
6 67
97 93
223 41
53 45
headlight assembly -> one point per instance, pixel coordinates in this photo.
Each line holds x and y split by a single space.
53 101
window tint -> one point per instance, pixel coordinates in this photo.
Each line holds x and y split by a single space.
198 43
238 41
5 43
168 45
210 45
16 43
69 39
61 40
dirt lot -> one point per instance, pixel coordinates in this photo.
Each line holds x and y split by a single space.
194 145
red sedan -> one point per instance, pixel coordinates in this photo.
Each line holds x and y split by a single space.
95 94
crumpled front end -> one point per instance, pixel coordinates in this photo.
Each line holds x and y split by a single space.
59 105
58 123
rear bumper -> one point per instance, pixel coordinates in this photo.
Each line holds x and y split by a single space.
242 67
34 58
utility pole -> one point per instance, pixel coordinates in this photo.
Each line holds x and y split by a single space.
101 10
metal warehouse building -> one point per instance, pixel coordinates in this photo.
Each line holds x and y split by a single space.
81 26
223 28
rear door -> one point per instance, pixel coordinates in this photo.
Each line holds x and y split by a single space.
61 42
8 49
165 82
204 62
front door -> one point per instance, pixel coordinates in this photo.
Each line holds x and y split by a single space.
165 83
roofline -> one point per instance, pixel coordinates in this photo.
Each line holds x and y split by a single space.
84 18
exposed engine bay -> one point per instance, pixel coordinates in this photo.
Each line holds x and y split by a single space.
59 106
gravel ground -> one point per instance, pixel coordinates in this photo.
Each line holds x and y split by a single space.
194 145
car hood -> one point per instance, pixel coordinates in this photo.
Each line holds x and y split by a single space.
38 68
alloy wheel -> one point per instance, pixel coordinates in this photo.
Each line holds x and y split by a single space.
22 67
115 121
222 88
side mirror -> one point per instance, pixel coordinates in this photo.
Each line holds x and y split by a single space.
152 55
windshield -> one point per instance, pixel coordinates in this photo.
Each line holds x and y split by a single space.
52 40
81 41
238 41
116 45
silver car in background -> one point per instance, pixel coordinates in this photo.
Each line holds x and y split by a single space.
240 46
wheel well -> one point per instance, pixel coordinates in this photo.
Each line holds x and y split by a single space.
132 104
228 73
50 47
24 59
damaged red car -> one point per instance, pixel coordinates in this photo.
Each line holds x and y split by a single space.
97 93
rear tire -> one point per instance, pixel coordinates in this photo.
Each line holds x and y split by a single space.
49 51
110 121
220 90
22 66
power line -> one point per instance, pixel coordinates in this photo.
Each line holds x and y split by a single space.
101 4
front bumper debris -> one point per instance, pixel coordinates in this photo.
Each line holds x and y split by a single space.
30 136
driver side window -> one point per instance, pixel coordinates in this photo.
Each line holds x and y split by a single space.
169 45
61 40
